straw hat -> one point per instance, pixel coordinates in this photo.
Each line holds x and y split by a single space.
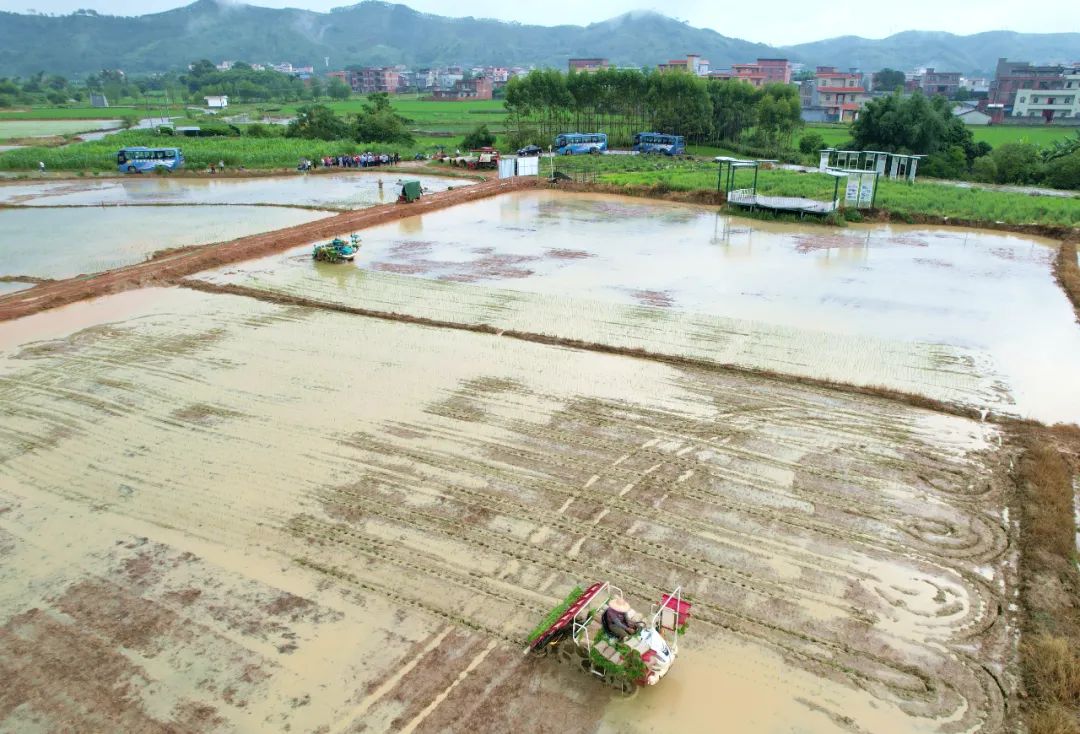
619 605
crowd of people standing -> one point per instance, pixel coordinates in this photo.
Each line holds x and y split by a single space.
360 160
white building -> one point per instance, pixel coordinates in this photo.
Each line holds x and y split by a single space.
970 115
1050 104
219 102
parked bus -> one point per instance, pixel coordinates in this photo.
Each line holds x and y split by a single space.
659 143
571 143
140 160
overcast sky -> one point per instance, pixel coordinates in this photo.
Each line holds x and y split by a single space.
777 22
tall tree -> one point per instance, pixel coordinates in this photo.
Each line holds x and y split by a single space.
888 80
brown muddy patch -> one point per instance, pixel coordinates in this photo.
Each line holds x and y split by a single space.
203 414
659 299
63 673
565 254
489 266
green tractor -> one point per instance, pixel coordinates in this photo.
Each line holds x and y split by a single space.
337 250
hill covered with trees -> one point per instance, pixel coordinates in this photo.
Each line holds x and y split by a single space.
382 33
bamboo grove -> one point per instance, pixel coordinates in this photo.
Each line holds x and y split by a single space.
622 102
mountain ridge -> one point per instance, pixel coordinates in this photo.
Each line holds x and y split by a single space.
374 32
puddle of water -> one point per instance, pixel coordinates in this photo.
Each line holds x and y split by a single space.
8 287
749 688
62 243
48 128
340 190
968 305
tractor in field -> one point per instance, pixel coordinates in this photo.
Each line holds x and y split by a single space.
597 631
337 250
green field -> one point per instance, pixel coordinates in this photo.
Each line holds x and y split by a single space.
69 113
995 135
253 153
924 198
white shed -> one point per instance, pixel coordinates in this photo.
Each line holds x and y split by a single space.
217 102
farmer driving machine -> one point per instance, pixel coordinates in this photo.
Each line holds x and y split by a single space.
596 631
337 250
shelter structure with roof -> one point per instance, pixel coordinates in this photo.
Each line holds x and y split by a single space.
893 165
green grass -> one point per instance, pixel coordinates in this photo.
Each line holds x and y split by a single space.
924 198
254 153
1041 135
70 113
995 135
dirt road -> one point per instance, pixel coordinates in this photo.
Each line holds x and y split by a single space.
169 267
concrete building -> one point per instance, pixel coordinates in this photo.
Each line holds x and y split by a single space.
1051 104
588 66
940 82
978 85
477 88
834 96
1012 76
217 102
692 64
373 79
763 71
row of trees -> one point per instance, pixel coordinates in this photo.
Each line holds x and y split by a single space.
244 84
922 125
624 102
376 123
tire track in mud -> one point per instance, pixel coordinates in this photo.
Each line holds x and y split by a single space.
705 611
455 529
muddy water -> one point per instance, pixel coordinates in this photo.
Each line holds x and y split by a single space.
46 128
319 520
13 287
337 190
62 243
972 317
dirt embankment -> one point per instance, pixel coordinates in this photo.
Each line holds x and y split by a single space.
1050 643
166 268
1067 272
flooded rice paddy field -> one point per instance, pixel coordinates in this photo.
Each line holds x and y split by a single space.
244 515
969 317
63 243
45 128
353 190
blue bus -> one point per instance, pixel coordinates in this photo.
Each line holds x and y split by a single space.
659 143
571 143
141 160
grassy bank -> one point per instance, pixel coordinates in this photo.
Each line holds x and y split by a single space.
1050 645
253 153
923 199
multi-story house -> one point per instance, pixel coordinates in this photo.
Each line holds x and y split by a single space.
373 79
834 96
763 71
588 66
940 82
1012 76
1050 104
693 64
